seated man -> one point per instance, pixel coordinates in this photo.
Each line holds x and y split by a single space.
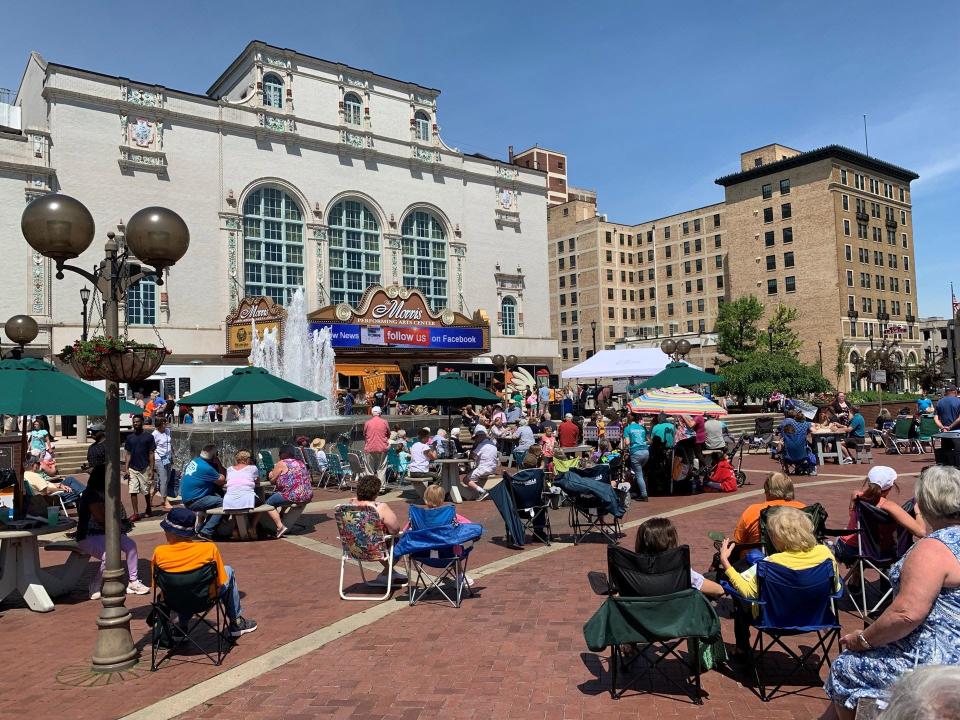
486 461
856 433
777 490
182 554
43 482
201 488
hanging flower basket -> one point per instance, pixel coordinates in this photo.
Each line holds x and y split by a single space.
117 359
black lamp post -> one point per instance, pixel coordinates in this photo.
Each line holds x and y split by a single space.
770 337
820 352
593 332
22 330
61 228
676 349
84 298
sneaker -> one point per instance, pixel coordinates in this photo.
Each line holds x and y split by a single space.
204 537
242 626
282 531
469 580
484 494
137 588
95 595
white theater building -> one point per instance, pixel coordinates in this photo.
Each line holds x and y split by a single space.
291 171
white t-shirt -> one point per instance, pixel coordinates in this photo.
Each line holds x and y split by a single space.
419 462
164 443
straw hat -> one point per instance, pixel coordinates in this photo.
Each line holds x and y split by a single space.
318 443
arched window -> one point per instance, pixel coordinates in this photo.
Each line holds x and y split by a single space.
354 251
508 316
422 123
272 244
352 109
425 257
272 91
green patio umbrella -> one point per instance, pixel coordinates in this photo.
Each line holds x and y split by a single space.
32 387
679 373
449 389
251 386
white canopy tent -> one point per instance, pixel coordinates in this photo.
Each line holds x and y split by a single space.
640 363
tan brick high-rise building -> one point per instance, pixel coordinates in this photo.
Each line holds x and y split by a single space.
827 231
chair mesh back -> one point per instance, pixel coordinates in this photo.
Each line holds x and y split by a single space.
796 599
333 460
188 592
763 425
882 539
633 575
903 428
424 517
928 426
362 532
527 488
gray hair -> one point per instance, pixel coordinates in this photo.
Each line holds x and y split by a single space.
209 452
938 494
522 421
930 692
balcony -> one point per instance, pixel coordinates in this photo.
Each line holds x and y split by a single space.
911 318
853 314
891 223
862 217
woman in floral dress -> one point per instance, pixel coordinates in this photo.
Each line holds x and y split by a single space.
922 625
292 480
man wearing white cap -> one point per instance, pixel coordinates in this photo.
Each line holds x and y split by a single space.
376 442
486 459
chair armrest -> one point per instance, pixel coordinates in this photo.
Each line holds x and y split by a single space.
733 593
837 532
599 582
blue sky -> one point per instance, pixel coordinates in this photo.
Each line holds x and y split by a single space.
650 100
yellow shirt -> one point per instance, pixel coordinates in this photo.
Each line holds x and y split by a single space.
37 481
187 556
746 583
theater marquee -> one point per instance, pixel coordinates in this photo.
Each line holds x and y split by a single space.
399 319
261 313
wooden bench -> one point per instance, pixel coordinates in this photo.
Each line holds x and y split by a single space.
72 570
290 515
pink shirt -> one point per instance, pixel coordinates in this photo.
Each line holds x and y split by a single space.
376 434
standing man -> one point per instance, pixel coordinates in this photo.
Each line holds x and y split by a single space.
348 403
543 394
163 462
138 467
635 438
948 410
568 434
376 442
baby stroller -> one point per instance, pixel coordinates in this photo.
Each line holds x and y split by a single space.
736 453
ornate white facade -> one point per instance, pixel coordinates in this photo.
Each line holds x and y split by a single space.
279 132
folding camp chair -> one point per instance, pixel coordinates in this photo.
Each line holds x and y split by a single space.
358 467
193 594
762 433
317 474
928 429
448 558
337 472
528 488
663 582
795 457
589 511
265 463
343 450
793 602
881 542
396 475
902 431
363 538
52 500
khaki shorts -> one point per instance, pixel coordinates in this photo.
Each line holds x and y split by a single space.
141 482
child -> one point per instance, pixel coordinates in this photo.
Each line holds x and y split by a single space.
548 442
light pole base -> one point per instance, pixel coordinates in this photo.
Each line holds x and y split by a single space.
114 650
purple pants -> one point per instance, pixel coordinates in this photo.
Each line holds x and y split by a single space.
96 546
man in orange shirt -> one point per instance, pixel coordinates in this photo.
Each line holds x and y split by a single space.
778 490
183 554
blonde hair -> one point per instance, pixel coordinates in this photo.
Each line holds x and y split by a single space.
778 486
242 457
433 496
791 530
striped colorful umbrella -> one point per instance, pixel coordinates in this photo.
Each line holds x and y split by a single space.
674 401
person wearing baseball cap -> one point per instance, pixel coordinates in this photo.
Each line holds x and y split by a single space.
513 412
376 442
485 459
182 553
880 481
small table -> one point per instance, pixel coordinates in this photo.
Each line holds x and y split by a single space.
821 438
450 476
20 566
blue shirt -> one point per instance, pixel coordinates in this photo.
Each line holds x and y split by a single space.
199 480
544 393
857 426
636 434
948 409
513 414
923 404
525 438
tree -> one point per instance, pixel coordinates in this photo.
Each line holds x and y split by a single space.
840 360
736 328
762 373
785 338
929 373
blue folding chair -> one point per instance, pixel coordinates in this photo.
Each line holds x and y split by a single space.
792 602
436 541
796 455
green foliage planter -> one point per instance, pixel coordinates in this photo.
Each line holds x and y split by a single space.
117 359
760 373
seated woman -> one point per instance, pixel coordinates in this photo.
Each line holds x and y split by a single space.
658 535
880 481
791 532
318 445
90 534
292 480
922 625
241 493
368 489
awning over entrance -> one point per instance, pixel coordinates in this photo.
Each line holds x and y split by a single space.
373 376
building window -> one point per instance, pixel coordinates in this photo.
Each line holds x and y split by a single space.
788 260
666 233
508 316
670 309
272 245
560 264
699 284
848 253
716 221
354 251
768 215
766 191
609 256
686 267
576 353
650 274
609 238
563 281
571 244
696 225
609 275
698 245
700 304
846 227
903 217
902 196
719 282
785 186
142 302
667 251
716 241
650 254
772 286
843 176
669 289
768 238
845 201
788 235
566 212
771 262
785 211
906 262
564 354
422 123
686 247
699 265
352 109
906 286
790 283
272 91
849 278
686 227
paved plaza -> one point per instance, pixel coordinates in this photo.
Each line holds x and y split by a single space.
515 650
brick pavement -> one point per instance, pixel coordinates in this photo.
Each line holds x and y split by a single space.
514 650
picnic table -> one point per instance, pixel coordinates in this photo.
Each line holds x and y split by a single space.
821 438
20 566
450 476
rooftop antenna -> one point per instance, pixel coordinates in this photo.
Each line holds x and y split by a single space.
866 142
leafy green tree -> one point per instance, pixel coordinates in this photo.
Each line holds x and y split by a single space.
785 339
762 373
840 360
929 373
736 328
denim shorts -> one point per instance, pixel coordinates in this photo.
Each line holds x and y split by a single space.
277 500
